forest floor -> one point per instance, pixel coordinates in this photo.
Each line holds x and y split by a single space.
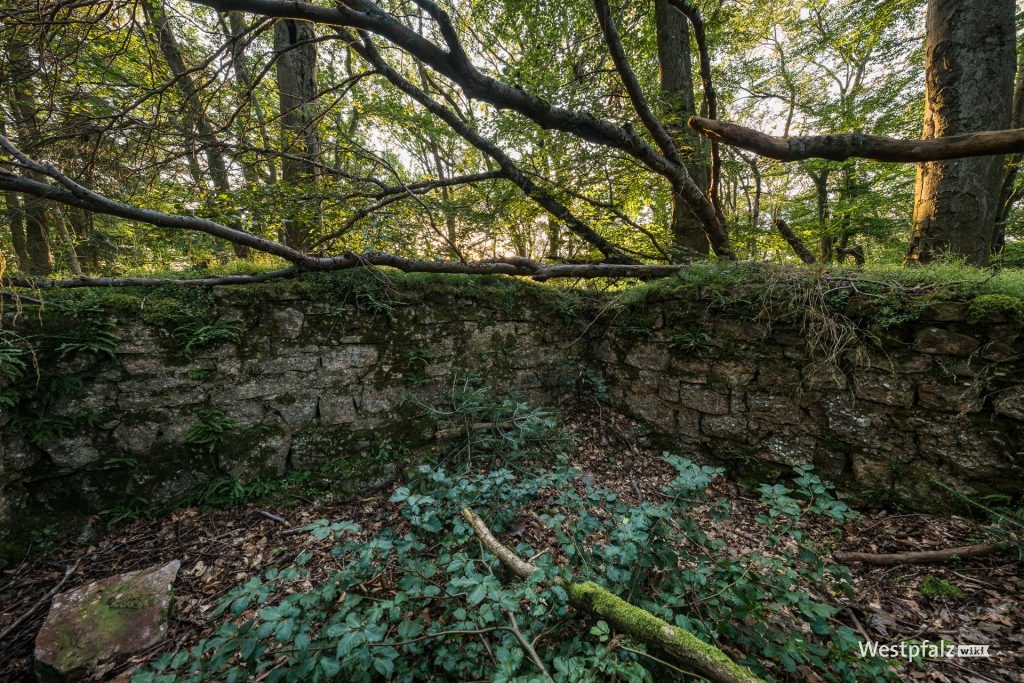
220 548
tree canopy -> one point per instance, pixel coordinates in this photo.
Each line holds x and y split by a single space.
145 135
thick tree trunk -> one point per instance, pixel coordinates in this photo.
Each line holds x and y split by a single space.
37 236
794 241
300 141
969 72
688 237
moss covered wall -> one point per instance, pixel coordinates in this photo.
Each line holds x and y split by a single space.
145 395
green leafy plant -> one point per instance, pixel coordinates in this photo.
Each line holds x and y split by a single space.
479 428
138 507
209 430
446 612
12 361
98 342
934 587
694 340
197 335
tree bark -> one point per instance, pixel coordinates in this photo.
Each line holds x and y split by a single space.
843 146
70 254
26 112
920 556
16 222
702 658
244 79
795 243
1008 192
676 77
969 73
297 91
195 114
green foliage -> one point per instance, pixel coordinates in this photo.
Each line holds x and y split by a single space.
447 612
100 343
195 336
138 507
12 357
692 340
994 308
227 492
934 587
209 430
490 429
369 289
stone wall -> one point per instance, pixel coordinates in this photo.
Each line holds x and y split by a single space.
895 414
307 372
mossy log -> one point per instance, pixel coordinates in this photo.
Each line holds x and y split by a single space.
681 645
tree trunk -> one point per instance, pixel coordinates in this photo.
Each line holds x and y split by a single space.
688 237
244 79
70 255
193 106
1008 192
821 192
26 111
969 71
300 141
16 221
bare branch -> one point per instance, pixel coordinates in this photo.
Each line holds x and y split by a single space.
368 51
636 93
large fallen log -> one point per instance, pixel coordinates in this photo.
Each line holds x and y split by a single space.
840 147
681 645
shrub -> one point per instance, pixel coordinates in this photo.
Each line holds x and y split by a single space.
421 600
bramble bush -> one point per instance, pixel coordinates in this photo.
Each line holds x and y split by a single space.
423 600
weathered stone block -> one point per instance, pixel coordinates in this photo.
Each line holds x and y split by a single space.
936 340
892 390
92 625
648 357
348 357
731 427
336 410
945 311
691 370
779 408
696 397
788 449
1010 402
732 373
73 453
289 322
953 398
865 426
778 376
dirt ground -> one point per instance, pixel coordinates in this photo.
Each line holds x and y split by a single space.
220 548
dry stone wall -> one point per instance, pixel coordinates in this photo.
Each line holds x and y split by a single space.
301 374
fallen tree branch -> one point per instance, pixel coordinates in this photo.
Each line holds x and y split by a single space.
842 146
920 557
684 647
521 267
68 573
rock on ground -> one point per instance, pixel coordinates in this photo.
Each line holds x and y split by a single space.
90 625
